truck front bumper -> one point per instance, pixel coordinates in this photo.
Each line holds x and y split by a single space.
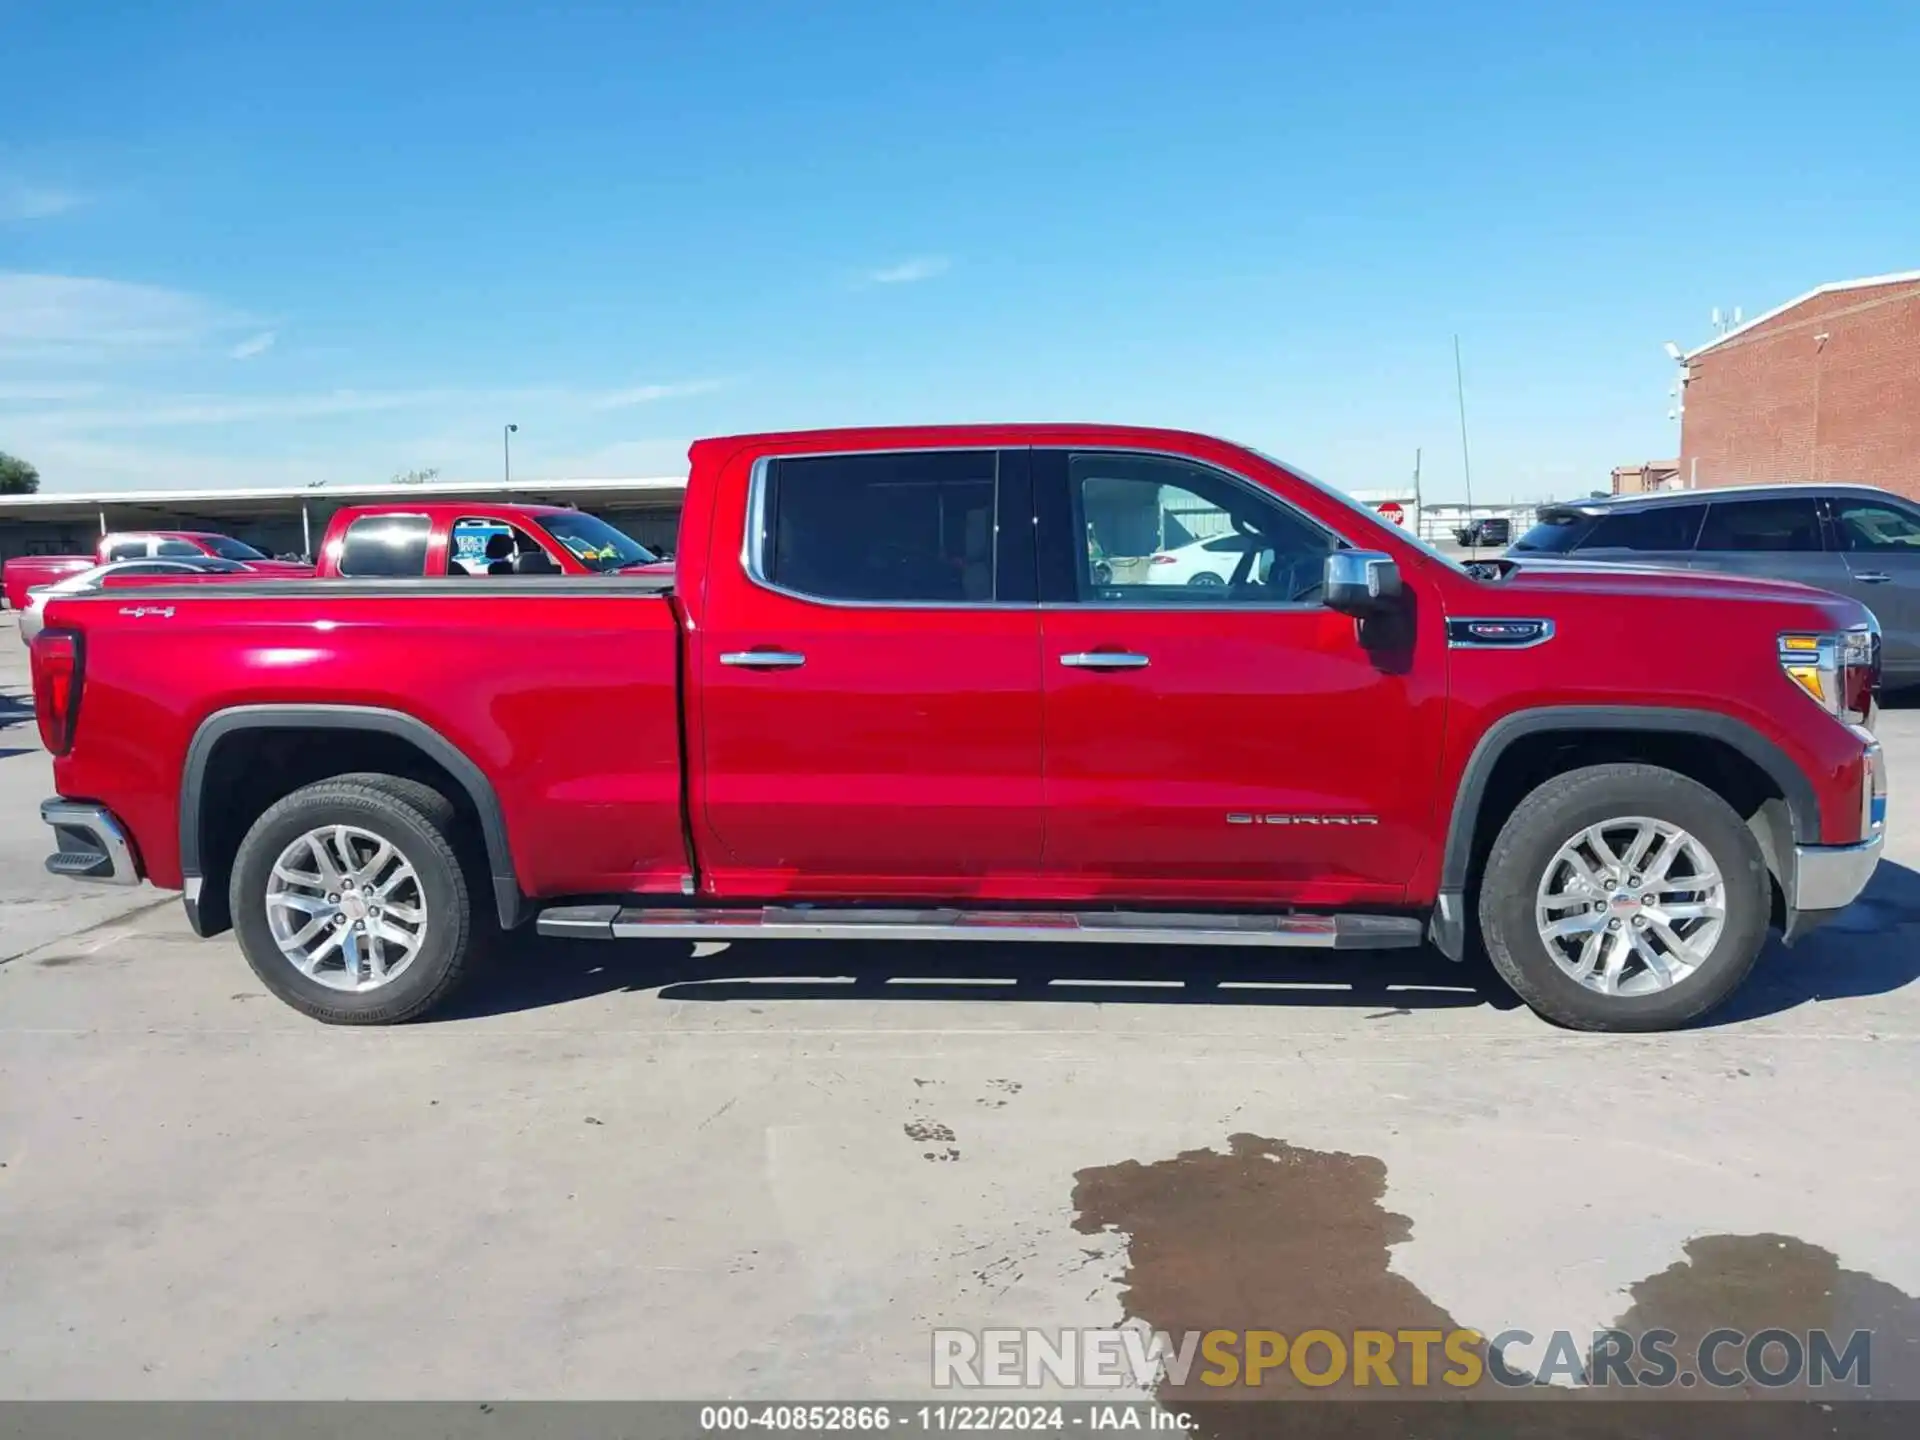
92 844
1828 878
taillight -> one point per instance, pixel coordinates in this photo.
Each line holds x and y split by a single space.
56 687
1839 670
1163 560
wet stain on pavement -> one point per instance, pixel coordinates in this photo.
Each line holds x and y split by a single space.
1753 1283
1269 1236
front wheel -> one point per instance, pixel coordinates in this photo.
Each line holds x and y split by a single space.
349 901
1624 897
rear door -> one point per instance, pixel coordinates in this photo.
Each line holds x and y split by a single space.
1777 537
1879 541
869 689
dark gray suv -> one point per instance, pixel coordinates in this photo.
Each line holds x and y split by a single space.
1850 539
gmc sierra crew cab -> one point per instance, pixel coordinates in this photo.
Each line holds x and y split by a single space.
914 683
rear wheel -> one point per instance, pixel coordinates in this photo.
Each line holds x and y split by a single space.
1624 897
1206 579
350 903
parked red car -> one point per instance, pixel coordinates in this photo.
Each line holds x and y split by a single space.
24 572
456 538
889 694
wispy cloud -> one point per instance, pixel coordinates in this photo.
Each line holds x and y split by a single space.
81 318
253 345
153 412
907 272
37 202
648 394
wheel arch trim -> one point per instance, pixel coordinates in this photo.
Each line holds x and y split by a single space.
1449 923
507 896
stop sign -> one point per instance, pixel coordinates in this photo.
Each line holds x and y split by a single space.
1393 512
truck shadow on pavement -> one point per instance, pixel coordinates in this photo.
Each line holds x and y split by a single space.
1872 949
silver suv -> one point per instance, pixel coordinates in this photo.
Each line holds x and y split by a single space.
1851 539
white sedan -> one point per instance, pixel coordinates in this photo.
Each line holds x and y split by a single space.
1200 562
33 614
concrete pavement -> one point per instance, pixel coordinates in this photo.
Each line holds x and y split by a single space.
772 1172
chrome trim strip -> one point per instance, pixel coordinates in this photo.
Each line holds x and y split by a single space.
1546 632
98 824
799 923
753 541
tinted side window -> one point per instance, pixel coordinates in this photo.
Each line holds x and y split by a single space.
1556 532
882 528
387 545
127 550
1167 532
1664 527
1762 525
1863 525
176 547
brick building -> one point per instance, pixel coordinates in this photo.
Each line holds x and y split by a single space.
1824 388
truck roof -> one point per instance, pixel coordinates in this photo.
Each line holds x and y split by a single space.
877 437
442 509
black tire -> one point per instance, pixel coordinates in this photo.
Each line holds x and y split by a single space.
419 822
1560 809
1206 580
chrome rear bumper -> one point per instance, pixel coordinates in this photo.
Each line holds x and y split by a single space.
93 846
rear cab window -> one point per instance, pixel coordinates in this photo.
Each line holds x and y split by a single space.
897 528
389 546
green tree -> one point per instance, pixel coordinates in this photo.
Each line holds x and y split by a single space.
17 477
415 477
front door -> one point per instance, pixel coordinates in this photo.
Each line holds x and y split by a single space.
1214 733
869 694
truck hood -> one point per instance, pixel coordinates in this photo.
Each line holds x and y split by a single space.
1534 577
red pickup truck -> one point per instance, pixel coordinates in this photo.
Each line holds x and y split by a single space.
922 683
24 572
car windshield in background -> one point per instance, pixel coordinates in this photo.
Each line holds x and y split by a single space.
595 543
228 548
1555 534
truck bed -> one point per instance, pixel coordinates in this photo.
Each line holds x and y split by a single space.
562 690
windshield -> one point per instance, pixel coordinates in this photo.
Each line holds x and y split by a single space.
594 543
1557 533
227 548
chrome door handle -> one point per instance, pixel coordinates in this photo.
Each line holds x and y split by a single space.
1104 660
764 659
1872 577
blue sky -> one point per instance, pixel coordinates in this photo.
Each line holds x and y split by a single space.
282 243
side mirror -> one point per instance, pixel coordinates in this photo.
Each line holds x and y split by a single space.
1361 582
534 562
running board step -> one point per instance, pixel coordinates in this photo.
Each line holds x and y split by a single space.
804 922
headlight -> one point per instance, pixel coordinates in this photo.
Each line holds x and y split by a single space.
1840 670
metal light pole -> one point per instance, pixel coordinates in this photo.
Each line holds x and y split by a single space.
506 452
